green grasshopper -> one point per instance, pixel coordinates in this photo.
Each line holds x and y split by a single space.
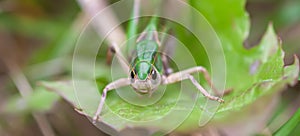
150 68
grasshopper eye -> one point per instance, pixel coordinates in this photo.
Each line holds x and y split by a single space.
132 74
153 75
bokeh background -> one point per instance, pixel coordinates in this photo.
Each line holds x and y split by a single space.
35 36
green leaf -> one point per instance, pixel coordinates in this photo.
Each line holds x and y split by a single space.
269 77
264 83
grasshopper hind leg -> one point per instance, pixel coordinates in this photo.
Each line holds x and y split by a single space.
165 61
109 55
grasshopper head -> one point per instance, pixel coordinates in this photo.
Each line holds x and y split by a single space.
145 78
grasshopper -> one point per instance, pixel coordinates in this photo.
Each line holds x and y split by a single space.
149 69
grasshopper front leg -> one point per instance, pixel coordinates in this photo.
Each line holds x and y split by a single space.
113 85
186 74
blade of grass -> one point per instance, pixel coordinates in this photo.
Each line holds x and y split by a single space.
290 125
25 90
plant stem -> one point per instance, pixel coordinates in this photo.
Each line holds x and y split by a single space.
25 90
